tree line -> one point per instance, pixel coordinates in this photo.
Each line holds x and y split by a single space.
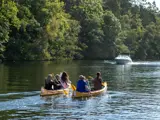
78 29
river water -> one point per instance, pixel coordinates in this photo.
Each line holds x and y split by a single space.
133 91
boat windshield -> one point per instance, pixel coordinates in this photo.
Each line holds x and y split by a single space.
123 56
126 57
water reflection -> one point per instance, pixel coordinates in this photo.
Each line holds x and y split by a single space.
133 92
29 76
147 63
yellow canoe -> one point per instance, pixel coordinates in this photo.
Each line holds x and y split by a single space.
77 94
45 92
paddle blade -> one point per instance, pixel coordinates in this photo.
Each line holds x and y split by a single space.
65 92
104 83
73 87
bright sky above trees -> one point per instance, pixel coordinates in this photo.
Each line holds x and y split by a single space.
157 2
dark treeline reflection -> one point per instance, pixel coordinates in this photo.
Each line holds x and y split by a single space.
27 76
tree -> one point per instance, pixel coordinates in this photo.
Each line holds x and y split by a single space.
8 19
111 28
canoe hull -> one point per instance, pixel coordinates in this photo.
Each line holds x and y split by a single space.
77 94
45 92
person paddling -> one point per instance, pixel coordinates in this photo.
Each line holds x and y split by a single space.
97 81
49 82
57 82
52 83
82 85
64 79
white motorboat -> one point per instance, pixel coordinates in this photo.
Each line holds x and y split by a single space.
123 59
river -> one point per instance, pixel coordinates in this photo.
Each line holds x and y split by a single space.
133 91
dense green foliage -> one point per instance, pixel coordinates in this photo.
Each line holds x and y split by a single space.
78 29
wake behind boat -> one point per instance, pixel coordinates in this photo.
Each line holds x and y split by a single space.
123 59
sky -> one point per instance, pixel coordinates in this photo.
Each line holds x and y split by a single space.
157 2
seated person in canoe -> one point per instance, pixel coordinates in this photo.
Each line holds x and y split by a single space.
82 85
51 84
64 79
97 82
57 82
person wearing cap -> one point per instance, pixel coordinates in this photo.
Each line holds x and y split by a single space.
82 85
97 81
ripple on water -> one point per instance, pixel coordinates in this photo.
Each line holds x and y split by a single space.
18 95
111 106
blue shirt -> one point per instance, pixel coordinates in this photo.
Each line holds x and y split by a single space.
81 86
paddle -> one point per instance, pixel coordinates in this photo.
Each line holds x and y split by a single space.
104 83
65 92
73 87
90 77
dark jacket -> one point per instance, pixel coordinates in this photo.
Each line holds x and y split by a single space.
48 84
